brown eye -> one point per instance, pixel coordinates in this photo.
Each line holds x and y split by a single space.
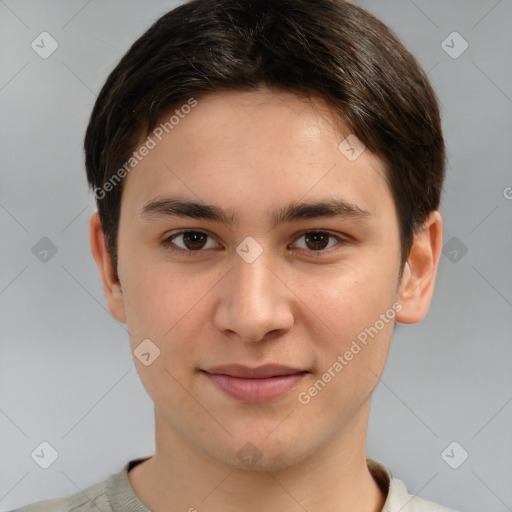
319 241
191 241
194 240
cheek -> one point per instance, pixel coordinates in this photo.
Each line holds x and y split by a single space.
349 298
161 307
168 307
351 306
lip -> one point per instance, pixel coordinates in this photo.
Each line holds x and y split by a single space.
254 385
257 372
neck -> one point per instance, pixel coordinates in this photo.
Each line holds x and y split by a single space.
335 478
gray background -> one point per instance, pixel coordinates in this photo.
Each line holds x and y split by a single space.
66 373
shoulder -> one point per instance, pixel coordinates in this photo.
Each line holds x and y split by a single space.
397 497
400 499
113 494
92 499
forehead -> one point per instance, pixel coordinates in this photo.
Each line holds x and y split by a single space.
252 148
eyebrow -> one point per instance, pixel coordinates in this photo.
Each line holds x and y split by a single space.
178 207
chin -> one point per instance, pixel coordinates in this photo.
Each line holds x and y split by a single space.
262 455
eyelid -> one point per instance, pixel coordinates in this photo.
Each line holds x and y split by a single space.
339 239
169 244
168 240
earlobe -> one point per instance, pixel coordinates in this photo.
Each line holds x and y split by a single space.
417 285
109 279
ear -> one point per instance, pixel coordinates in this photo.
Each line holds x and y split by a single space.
110 282
417 285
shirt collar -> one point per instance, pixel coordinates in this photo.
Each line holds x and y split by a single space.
123 498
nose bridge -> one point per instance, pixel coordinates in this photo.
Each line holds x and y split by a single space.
252 281
253 301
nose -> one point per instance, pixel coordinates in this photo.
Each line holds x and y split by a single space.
255 303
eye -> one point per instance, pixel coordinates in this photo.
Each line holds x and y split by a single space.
318 241
189 242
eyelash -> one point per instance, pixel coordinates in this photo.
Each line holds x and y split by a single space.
169 245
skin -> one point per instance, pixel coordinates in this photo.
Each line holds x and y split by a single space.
252 153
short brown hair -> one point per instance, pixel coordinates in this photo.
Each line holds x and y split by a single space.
327 48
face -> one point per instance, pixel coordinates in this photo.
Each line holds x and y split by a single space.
259 278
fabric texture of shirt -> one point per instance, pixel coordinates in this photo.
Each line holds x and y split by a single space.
117 495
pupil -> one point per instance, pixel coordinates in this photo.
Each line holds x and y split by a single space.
195 240
192 239
318 240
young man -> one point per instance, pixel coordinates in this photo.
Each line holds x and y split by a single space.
268 176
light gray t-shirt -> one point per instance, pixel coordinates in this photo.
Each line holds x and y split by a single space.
117 495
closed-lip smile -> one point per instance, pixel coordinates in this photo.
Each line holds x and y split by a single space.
254 384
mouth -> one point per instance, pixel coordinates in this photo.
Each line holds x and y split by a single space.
254 385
